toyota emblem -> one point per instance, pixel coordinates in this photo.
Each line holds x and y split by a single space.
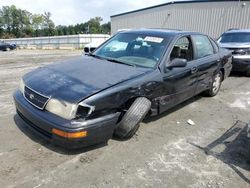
31 96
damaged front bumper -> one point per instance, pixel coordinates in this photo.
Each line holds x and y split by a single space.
43 123
241 64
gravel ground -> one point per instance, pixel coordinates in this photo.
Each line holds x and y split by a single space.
165 152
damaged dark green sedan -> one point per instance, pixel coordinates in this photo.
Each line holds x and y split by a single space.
87 100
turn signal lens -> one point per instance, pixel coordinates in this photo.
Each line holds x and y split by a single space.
80 134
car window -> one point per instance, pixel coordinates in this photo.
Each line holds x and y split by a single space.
215 45
203 46
136 49
182 49
240 37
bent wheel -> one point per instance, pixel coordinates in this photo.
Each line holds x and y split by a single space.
131 120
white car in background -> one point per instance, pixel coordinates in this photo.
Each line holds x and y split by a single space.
90 47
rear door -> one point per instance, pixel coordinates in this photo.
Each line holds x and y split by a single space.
207 61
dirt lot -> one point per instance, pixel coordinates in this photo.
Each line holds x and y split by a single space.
166 152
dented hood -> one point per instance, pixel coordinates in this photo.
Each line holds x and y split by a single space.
75 80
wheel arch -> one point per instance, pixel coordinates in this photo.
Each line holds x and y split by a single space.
223 73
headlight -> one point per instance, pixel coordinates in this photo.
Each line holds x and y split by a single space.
62 108
84 110
21 86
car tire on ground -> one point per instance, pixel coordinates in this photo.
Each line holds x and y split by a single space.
131 120
248 73
215 86
7 49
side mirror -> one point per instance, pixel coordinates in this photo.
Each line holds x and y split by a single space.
177 62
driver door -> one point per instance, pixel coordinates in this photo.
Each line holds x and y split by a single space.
179 82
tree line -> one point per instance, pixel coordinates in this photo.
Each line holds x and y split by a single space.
18 23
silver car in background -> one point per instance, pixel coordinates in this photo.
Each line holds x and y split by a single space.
238 41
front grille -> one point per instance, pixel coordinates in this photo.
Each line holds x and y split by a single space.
239 51
36 99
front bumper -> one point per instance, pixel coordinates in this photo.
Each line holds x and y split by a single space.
42 122
241 64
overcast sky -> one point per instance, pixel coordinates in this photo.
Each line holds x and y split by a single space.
66 12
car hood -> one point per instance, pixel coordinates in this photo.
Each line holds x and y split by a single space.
77 79
234 45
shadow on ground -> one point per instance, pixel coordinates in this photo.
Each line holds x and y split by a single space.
48 144
238 74
237 149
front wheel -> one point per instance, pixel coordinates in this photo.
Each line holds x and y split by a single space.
248 73
131 120
215 86
7 49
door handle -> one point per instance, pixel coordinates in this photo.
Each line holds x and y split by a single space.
194 70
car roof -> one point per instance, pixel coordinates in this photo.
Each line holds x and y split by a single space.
238 31
159 32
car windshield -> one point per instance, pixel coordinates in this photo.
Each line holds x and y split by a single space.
133 49
238 37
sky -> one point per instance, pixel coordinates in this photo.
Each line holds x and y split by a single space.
70 12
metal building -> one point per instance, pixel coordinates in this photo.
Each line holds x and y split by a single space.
211 17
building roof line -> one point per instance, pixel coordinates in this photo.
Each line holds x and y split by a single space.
174 2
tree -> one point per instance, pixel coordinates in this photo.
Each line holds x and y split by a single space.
94 25
48 24
25 27
6 18
15 22
106 28
37 21
1 25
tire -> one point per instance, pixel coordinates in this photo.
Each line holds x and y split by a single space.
7 49
215 86
131 120
248 73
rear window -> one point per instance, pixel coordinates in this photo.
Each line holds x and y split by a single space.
203 46
235 37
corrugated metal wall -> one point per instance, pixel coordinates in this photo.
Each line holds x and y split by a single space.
212 18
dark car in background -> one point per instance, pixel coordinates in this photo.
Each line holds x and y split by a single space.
6 46
238 41
108 92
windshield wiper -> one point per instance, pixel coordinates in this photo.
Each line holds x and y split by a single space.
117 61
111 60
96 56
